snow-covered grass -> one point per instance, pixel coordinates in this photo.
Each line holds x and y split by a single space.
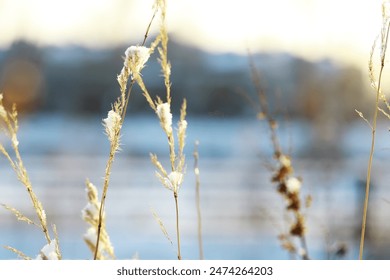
239 196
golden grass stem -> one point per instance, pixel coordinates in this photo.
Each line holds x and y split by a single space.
114 145
368 180
369 168
102 203
175 195
127 100
373 134
149 25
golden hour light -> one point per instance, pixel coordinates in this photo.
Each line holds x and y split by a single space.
194 130
309 28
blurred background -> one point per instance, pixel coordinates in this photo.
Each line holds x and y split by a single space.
59 61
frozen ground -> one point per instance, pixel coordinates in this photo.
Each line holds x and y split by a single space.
242 212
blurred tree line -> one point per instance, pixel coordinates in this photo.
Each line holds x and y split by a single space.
78 80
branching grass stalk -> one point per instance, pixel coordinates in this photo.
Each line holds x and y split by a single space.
368 180
132 82
171 180
24 178
384 41
135 59
9 125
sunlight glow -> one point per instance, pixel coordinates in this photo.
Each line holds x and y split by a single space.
310 28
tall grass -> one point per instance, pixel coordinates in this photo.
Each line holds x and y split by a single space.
9 125
377 85
136 56
288 185
173 179
97 238
134 61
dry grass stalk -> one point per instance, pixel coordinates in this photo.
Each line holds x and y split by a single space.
134 61
9 125
90 214
162 226
171 180
197 193
123 83
376 84
17 252
289 186
57 242
20 216
364 118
